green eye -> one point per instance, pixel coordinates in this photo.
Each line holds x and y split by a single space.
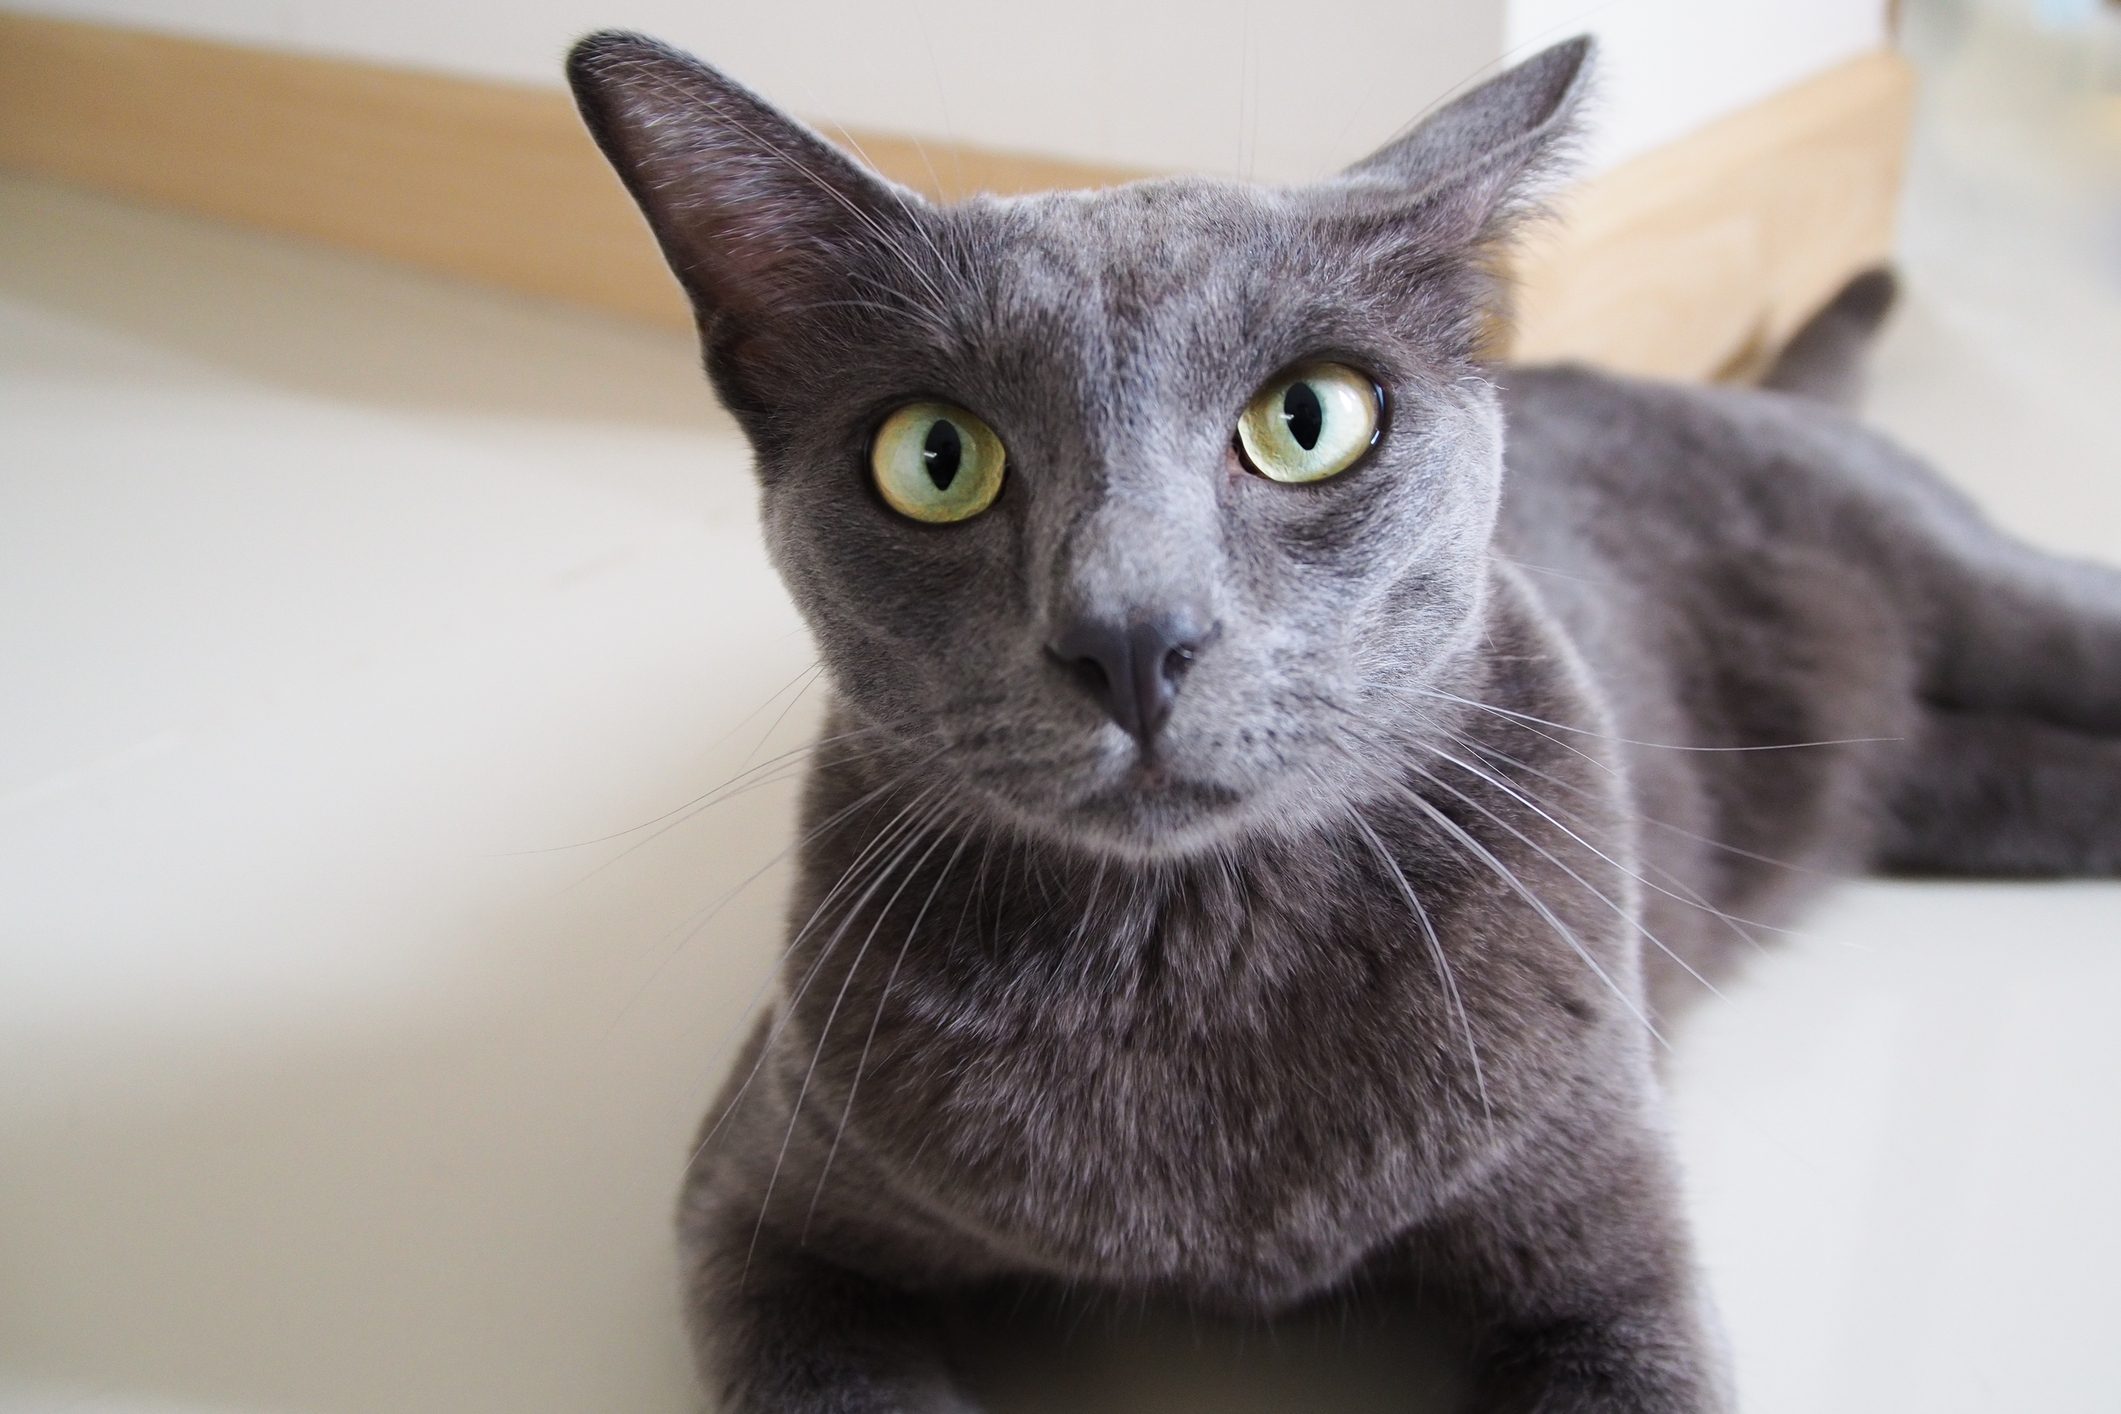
936 463
1310 423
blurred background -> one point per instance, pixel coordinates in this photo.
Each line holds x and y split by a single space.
396 700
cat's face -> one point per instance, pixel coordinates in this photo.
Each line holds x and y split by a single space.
1111 343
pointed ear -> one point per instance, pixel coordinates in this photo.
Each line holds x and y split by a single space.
754 211
1465 171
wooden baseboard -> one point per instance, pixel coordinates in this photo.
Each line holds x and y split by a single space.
1684 262
1702 257
493 182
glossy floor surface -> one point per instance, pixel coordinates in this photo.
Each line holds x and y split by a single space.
368 949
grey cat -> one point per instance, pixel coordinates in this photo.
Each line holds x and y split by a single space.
1259 843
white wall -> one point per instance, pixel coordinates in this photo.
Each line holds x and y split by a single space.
1282 91
1671 65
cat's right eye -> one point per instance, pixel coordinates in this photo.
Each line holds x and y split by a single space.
937 463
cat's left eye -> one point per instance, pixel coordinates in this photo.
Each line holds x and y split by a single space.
1309 423
937 463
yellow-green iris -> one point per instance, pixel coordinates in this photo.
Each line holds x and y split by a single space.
936 463
1310 423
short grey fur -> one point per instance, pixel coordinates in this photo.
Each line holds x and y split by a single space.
1354 976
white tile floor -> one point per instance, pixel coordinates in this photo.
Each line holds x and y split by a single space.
340 608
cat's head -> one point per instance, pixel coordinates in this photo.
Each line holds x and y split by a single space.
1118 512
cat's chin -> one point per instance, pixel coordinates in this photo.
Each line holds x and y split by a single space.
1150 814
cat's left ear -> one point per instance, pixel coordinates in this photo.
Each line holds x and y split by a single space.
1462 175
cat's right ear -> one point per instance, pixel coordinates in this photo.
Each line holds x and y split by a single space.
755 212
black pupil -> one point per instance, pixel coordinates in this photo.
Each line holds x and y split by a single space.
1303 412
943 451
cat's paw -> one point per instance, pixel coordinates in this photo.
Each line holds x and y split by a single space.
1582 1373
878 1396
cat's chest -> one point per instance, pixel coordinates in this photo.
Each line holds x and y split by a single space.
1264 1152
1220 1082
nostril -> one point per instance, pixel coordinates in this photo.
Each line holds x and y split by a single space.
1091 674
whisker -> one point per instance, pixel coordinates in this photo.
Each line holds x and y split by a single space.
1511 719
811 675
1366 727
704 796
882 1001
881 841
724 793
692 924
1516 719
824 1034
1692 896
1539 906
740 722
1626 915
1629 916
1654 745
1640 817
1443 965
1550 570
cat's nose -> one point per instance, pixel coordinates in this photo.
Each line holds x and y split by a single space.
1132 668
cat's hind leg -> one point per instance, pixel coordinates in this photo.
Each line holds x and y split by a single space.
2016 765
2004 794
2004 626
2022 633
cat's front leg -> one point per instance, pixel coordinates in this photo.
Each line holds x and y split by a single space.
1629 1363
1576 1272
777 1329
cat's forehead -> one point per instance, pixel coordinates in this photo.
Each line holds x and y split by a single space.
1168 283
1154 239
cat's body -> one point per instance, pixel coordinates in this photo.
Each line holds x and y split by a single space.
1756 571
1354 974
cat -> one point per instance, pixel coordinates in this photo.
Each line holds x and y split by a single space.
1259 844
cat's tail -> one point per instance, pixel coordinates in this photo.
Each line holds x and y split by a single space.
1824 359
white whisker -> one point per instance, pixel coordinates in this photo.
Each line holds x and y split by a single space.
824 1031
1539 906
1627 915
1435 944
878 843
882 1001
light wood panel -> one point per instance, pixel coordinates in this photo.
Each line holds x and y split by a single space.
1689 261
1703 256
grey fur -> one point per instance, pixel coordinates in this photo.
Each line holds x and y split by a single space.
1353 984
1824 359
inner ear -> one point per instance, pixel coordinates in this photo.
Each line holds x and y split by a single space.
755 212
